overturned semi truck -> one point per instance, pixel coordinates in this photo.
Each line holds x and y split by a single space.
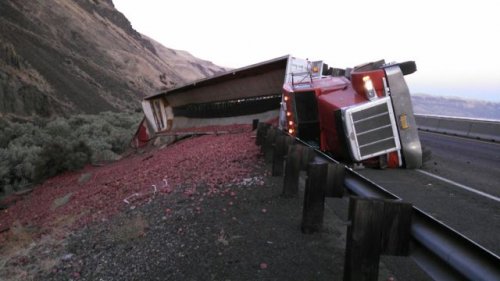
362 114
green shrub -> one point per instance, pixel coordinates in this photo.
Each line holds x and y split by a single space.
32 152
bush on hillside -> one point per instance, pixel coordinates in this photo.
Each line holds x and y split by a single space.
32 152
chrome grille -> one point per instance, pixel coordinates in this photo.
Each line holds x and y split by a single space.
371 129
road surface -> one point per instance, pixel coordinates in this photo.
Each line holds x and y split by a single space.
459 185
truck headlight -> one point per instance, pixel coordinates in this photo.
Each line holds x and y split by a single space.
370 92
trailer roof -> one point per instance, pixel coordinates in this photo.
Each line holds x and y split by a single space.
251 70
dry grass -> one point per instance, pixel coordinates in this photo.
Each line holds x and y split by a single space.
16 248
17 254
19 237
46 265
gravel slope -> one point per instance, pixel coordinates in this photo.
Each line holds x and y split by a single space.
220 217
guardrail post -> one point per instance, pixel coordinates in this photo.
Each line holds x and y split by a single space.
308 155
377 227
292 171
396 230
261 133
269 144
281 151
335 180
314 198
362 253
255 124
288 142
279 156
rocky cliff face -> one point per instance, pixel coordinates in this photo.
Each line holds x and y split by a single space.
62 57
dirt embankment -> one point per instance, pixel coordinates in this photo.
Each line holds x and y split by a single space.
65 57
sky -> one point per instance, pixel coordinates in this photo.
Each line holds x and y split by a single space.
456 44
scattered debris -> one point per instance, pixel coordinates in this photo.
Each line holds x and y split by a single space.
59 202
263 265
140 195
258 180
84 178
131 196
67 257
222 238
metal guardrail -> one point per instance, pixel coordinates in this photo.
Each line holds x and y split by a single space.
440 251
483 129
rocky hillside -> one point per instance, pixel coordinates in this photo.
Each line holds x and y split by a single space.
455 107
62 57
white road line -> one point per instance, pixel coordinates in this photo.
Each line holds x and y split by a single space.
460 185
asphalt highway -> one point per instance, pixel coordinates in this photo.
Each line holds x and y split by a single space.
459 185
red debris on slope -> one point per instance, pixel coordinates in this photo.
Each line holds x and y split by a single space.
74 199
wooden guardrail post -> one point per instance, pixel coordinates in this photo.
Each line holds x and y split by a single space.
280 152
377 227
269 143
292 171
308 155
363 245
335 180
314 198
261 133
396 230
279 156
255 124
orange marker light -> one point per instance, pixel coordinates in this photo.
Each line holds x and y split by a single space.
404 121
288 113
290 131
286 98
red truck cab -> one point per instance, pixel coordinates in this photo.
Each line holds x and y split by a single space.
359 116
